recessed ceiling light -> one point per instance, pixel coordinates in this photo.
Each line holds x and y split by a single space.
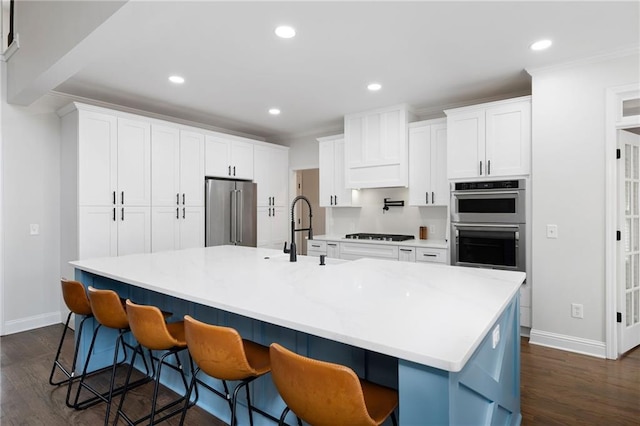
274 111
176 79
285 31
541 45
374 87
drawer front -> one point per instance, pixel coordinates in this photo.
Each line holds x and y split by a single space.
353 251
431 255
407 254
316 248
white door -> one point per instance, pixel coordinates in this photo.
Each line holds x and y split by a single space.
97 232
508 139
165 228
439 181
134 162
263 224
217 154
326 160
262 171
97 159
466 144
134 230
629 250
341 194
191 169
241 160
191 227
419 167
280 177
165 168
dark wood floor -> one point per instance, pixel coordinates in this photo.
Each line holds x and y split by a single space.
558 388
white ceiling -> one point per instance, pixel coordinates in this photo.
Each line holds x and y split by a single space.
430 55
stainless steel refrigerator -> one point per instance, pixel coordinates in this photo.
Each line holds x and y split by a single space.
230 212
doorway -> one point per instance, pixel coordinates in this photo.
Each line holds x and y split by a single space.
308 184
628 256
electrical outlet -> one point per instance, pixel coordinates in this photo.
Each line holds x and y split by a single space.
577 310
432 229
552 231
495 336
34 229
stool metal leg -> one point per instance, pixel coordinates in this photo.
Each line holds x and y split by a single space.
70 375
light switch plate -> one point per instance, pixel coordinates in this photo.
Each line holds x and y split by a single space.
552 231
34 229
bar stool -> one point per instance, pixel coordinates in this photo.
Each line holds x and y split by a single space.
221 353
323 393
109 312
77 302
152 332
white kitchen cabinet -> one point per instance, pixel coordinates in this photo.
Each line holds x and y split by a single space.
333 249
272 227
316 248
177 172
106 183
333 192
228 157
176 228
489 140
354 251
407 254
105 231
428 184
271 174
434 255
134 162
376 148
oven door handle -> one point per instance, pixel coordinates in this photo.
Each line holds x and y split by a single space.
484 227
483 193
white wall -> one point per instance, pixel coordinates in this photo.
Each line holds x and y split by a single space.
370 218
568 189
30 195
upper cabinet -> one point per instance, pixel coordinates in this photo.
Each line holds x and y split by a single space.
177 169
333 192
428 185
228 157
376 148
271 174
489 140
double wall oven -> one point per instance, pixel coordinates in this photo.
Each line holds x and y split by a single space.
488 224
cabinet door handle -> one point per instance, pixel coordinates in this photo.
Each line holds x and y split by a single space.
488 167
274 212
331 245
183 213
122 198
426 196
114 198
177 212
229 170
433 198
183 202
234 170
269 211
122 213
429 255
409 250
335 200
114 212
316 246
480 168
177 199
331 200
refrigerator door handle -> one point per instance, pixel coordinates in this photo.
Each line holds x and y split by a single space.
234 216
240 213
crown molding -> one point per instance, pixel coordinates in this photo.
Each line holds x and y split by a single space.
622 52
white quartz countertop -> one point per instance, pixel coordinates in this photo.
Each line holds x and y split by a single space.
408 243
431 314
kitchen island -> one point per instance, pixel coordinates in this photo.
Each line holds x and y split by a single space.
446 337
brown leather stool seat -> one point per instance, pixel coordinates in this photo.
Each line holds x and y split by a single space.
323 393
77 302
109 311
148 326
221 353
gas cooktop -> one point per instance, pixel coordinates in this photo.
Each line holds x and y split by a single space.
379 237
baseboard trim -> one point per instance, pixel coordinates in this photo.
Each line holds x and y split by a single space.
30 323
568 343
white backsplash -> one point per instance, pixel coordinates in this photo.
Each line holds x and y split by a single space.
370 217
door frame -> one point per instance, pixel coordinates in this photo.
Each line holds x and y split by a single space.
614 121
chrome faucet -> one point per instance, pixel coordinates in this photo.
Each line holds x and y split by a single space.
293 256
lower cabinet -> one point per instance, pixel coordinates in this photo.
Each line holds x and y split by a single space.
175 228
272 227
113 231
352 251
407 254
437 255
